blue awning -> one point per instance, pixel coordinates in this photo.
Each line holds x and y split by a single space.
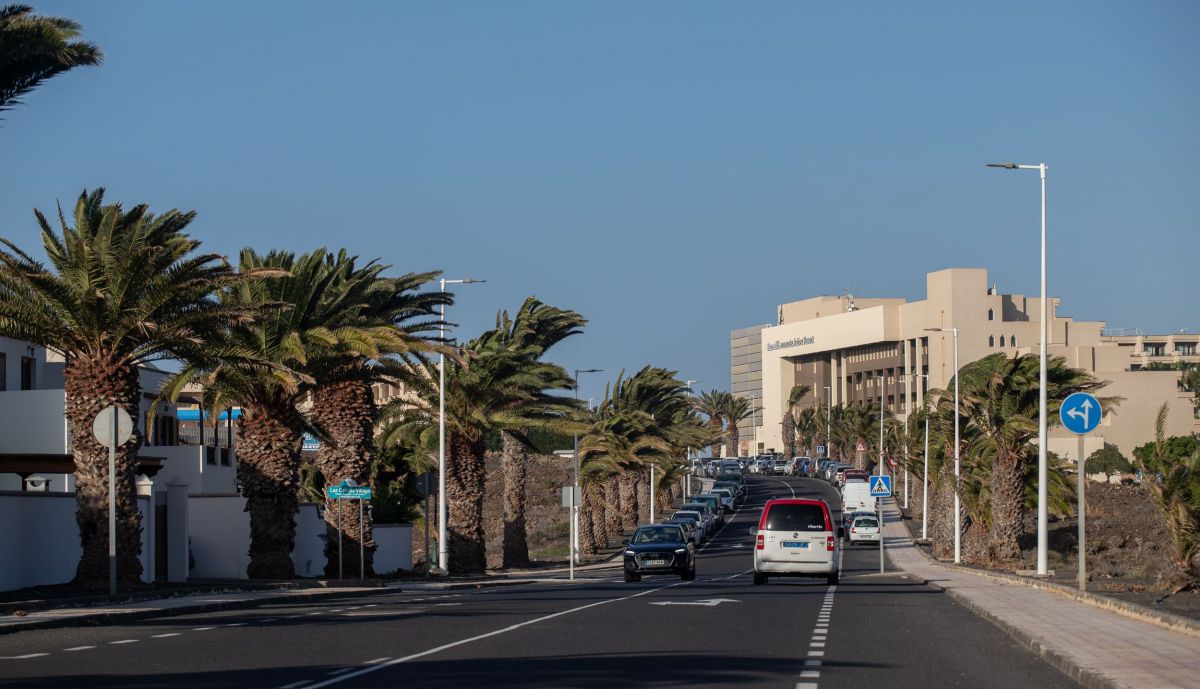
194 415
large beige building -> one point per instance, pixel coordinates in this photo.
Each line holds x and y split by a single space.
745 365
885 350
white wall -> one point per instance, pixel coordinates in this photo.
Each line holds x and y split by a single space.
394 549
39 541
308 554
219 529
32 422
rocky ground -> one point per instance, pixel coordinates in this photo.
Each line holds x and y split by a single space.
1127 544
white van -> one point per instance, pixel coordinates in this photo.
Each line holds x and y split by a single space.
856 497
796 538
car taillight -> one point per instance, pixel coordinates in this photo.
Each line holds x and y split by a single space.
759 543
853 529
829 543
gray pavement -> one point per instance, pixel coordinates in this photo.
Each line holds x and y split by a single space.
718 631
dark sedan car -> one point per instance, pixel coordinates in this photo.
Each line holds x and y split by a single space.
659 549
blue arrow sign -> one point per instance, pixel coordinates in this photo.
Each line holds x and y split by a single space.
1080 413
881 486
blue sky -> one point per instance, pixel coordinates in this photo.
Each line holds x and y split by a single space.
671 170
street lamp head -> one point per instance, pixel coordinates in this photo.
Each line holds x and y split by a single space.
1007 166
469 281
933 330
587 370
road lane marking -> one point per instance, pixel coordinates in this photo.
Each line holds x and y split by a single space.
376 661
479 637
24 657
123 641
235 624
78 648
265 620
339 672
202 629
163 636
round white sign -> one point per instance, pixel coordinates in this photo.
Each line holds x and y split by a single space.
102 427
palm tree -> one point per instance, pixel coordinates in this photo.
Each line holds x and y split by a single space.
737 410
808 427
1177 496
712 404
398 316
535 329
789 418
123 288
999 398
307 303
498 385
34 49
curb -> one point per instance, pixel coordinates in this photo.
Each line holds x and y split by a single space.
1141 613
101 619
1063 663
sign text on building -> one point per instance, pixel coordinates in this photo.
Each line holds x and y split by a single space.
794 342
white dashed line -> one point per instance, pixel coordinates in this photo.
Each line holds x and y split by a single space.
24 657
123 641
235 624
78 648
341 671
202 629
266 619
163 636
819 639
376 661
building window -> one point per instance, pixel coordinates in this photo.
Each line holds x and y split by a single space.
1185 348
1012 342
1154 348
991 340
991 315
27 373
1001 340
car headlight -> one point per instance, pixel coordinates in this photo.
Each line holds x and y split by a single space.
630 553
680 551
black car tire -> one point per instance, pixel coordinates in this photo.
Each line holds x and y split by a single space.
759 578
630 577
832 579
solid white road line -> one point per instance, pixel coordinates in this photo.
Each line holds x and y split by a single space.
505 630
376 661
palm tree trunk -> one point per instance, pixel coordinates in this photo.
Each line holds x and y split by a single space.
643 496
731 442
591 520
269 473
941 512
1008 507
465 478
91 386
789 434
628 495
515 462
346 413
613 516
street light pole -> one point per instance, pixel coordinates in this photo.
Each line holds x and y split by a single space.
828 418
573 556
957 462
1042 517
443 512
925 480
687 476
879 503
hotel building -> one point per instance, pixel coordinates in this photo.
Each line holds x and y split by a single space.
890 351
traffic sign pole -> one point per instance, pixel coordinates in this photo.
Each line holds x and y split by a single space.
112 507
339 539
1082 536
1081 413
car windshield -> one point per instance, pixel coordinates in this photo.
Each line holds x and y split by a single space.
697 507
787 517
657 534
869 522
690 514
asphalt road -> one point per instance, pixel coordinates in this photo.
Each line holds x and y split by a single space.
718 631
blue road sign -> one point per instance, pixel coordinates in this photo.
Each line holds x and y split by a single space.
881 486
345 491
1080 413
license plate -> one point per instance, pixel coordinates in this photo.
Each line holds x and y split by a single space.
656 563
795 544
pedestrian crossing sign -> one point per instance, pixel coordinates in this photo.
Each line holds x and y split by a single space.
881 486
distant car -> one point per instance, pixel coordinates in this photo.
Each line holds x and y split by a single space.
738 489
691 527
854 475
707 514
727 497
781 467
714 502
659 549
864 529
796 537
698 517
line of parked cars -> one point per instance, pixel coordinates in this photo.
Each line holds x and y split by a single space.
670 547
859 517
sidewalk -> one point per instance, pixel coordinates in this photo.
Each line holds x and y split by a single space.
1096 647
